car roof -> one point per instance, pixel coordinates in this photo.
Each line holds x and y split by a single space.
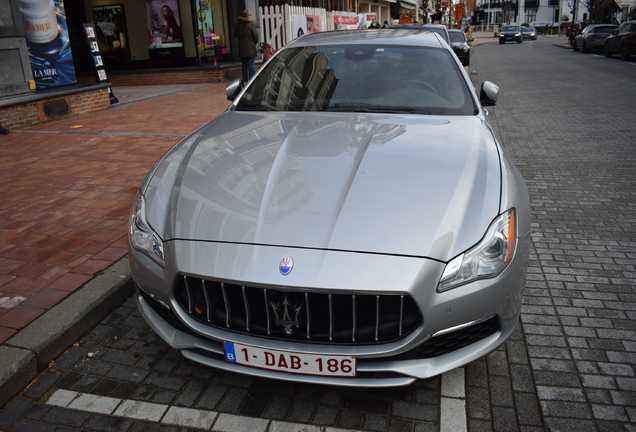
370 37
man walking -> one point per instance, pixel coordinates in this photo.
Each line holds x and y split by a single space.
247 36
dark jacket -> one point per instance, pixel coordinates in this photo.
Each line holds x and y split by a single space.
247 36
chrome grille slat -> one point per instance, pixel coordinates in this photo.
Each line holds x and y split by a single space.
247 309
227 306
208 303
330 318
401 315
269 318
377 317
189 292
308 313
353 330
295 314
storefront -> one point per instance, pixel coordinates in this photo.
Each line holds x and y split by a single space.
143 34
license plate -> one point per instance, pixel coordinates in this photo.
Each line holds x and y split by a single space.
288 361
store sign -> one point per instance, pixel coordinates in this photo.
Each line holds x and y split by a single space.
47 38
345 22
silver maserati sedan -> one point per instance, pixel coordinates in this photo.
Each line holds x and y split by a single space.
350 219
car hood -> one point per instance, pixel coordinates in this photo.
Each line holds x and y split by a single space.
424 186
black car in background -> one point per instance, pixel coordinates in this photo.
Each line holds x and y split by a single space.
460 45
511 33
622 41
593 37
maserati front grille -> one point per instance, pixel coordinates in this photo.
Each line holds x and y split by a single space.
326 317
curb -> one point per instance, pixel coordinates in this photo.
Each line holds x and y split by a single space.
30 351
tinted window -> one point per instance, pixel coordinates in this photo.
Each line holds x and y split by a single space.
457 36
604 29
511 28
361 78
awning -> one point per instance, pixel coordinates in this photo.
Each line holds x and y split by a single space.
407 5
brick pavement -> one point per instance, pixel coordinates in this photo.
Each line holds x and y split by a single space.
566 120
67 187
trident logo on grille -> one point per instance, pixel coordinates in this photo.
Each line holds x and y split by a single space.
285 321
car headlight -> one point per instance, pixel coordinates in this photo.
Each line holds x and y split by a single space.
488 258
517 34
141 236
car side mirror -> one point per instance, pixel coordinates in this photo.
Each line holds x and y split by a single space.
489 94
471 39
233 89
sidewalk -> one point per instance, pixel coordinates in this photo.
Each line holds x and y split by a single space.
67 188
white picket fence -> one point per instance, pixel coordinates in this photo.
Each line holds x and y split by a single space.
277 22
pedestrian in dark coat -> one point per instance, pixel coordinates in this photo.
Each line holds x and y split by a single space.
247 36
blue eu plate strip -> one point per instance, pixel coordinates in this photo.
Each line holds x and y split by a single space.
228 347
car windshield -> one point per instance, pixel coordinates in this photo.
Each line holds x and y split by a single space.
511 28
360 78
457 36
528 29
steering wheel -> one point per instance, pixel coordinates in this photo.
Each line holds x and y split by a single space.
424 84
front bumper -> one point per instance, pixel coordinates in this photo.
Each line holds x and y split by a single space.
391 363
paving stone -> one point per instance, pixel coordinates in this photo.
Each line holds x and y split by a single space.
415 411
278 408
102 423
211 397
325 415
232 401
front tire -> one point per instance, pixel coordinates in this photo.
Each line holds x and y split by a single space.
501 42
466 61
607 52
574 47
624 55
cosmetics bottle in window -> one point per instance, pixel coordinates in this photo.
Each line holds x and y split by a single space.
47 40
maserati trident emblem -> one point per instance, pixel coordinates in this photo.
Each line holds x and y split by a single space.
286 265
285 321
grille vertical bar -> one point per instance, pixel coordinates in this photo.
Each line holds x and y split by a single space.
208 303
330 319
307 309
269 318
227 306
353 330
189 293
377 318
401 315
248 315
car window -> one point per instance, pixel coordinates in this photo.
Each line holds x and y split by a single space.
510 28
437 30
361 78
457 36
603 29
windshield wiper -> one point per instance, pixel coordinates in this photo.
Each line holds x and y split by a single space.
369 108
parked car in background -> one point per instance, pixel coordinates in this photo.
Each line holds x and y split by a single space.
351 219
593 37
435 28
511 33
460 45
622 41
573 28
529 33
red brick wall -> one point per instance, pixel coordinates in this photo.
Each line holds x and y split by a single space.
26 114
167 77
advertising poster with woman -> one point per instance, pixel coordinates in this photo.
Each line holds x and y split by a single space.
164 24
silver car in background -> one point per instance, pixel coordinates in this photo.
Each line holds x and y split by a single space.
350 219
593 37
